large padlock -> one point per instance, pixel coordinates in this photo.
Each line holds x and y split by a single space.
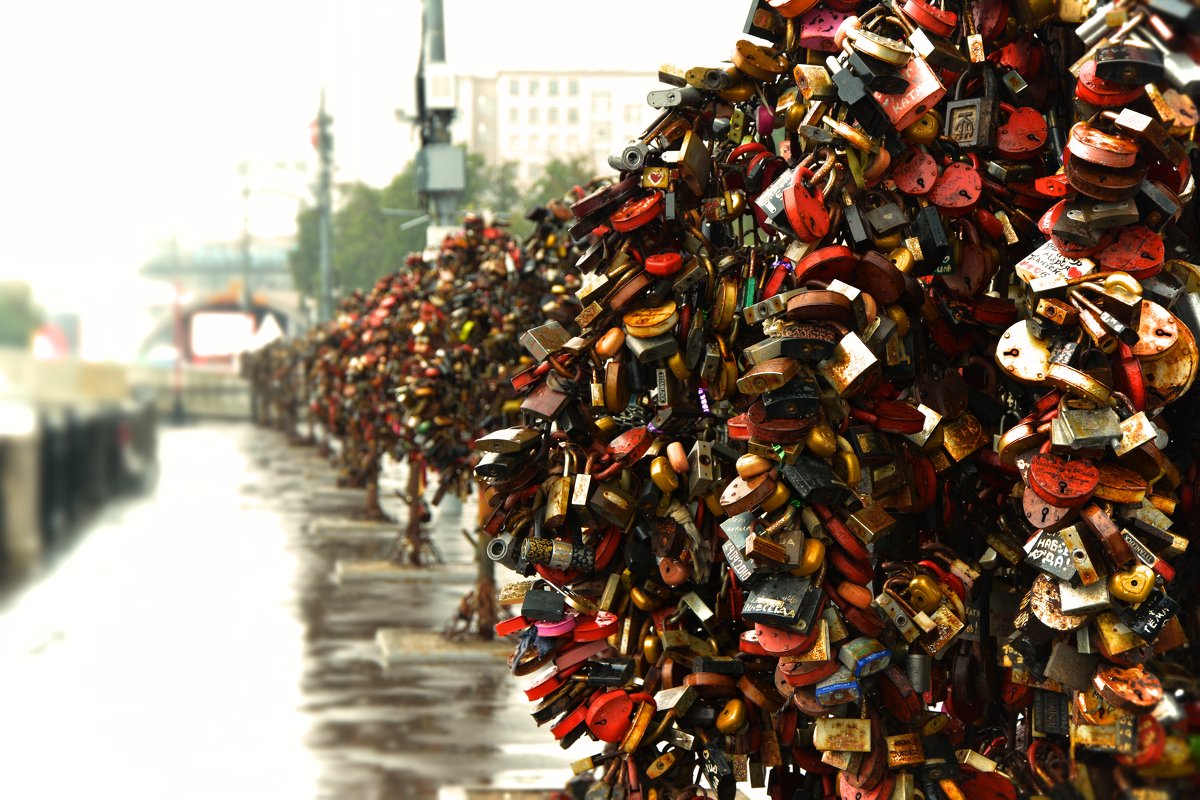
971 122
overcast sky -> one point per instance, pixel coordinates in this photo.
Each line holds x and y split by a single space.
125 121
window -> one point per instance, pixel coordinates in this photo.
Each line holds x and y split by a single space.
512 115
601 134
514 144
552 145
633 114
533 87
602 103
552 115
573 87
535 115
535 144
573 116
572 144
514 86
552 87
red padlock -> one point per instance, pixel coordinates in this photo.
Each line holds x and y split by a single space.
915 172
1023 135
939 21
1136 250
959 187
609 716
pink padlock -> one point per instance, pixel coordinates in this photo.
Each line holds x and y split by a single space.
817 28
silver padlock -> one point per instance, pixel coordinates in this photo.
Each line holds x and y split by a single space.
630 156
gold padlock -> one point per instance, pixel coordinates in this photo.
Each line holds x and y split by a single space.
732 717
663 476
821 440
923 593
925 130
811 558
1132 585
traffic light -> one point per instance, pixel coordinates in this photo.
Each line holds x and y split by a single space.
322 134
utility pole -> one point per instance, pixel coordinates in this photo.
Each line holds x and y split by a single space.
441 170
323 140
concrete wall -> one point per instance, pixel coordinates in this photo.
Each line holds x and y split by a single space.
67 430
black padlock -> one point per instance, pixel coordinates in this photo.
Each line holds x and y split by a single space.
799 397
1051 712
940 761
639 553
1072 227
1157 205
611 673
855 227
775 598
931 234
719 665
543 605
576 423
813 479
852 91
648 498
886 217
878 76
1149 618
1163 288
719 771
1128 65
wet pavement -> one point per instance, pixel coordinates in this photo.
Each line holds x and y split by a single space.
221 639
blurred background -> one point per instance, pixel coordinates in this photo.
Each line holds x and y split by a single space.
150 147
184 610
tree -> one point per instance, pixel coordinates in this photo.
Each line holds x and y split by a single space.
19 315
368 241
303 260
493 188
558 177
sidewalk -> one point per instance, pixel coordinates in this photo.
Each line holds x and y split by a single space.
219 640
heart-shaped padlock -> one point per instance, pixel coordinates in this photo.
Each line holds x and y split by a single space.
1023 135
915 172
958 189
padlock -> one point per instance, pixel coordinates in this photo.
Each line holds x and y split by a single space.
971 123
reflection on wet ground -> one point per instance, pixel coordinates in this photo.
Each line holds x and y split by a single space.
216 640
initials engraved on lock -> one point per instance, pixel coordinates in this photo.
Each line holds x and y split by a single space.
964 121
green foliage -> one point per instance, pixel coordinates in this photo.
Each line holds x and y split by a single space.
368 242
559 177
19 315
303 259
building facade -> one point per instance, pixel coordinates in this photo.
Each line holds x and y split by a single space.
532 117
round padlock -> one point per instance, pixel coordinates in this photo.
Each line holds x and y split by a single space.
637 212
1062 482
1130 689
664 264
1043 515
